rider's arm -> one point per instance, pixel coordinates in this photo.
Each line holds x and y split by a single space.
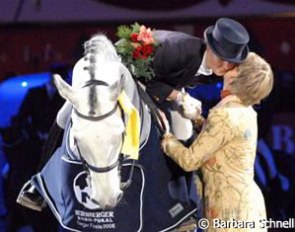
159 90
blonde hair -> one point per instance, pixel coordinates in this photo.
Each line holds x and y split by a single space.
254 80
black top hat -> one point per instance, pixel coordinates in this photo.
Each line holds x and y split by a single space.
228 39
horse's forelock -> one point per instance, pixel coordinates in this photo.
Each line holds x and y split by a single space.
99 49
100 45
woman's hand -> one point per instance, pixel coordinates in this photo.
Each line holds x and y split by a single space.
165 141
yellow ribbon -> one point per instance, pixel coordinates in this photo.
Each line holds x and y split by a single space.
132 128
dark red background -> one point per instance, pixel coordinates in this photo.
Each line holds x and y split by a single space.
32 48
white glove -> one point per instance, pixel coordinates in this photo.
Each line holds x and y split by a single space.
192 108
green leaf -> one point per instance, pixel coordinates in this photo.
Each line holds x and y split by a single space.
124 47
135 27
123 32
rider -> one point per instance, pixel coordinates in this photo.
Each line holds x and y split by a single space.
181 60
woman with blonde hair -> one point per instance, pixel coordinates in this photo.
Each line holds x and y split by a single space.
225 150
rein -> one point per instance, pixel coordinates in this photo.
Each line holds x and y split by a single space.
153 108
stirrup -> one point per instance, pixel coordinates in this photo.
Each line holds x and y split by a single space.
30 197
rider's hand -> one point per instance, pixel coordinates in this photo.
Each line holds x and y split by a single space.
192 108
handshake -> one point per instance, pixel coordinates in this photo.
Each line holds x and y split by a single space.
191 107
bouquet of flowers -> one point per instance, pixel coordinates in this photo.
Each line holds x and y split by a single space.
136 46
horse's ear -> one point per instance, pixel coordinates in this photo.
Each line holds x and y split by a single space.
65 90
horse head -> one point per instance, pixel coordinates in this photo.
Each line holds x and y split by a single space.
97 124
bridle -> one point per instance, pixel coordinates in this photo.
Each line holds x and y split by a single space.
119 161
97 169
96 118
89 83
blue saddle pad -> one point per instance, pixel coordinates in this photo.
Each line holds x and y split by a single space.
160 197
68 195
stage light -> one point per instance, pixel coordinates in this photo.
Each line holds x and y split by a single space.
219 85
24 84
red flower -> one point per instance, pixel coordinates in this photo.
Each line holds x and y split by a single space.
147 50
144 57
133 37
142 52
136 54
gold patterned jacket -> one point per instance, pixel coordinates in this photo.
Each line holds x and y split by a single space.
225 151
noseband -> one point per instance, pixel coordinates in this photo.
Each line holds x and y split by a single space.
96 118
97 169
